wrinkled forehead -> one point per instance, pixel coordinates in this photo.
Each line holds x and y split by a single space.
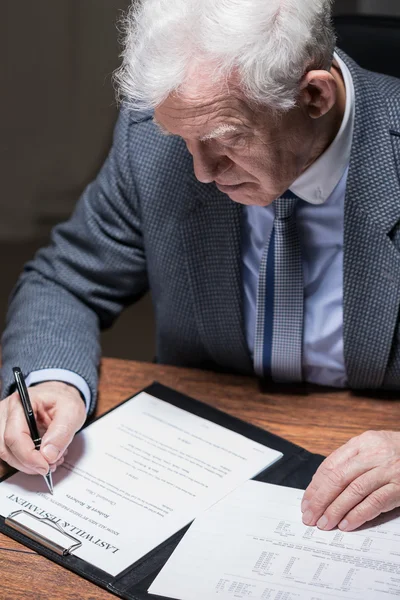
201 107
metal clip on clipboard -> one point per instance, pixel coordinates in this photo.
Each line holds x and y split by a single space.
34 527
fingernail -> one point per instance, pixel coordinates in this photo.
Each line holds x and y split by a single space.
308 517
323 522
304 505
42 471
51 453
343 525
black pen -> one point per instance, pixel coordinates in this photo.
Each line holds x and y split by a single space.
30 417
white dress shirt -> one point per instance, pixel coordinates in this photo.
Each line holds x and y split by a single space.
319 217
320 224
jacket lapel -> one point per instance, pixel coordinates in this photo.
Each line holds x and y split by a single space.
371 262
211 238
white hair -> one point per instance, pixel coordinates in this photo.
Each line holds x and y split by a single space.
270 44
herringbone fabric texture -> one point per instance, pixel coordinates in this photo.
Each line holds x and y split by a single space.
145 222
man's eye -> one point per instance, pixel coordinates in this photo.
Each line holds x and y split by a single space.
235 141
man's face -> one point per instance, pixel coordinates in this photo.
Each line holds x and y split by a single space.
252 155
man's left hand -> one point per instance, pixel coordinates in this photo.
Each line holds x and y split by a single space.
356 483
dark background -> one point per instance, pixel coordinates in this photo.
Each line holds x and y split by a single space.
57 111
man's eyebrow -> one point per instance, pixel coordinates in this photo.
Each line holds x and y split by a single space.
219 132
214 134
161 128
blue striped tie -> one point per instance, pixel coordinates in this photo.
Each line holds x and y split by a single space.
280 299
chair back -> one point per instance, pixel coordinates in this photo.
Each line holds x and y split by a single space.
372 41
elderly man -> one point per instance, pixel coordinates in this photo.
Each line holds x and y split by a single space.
253 186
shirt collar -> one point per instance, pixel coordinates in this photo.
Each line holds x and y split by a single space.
317 183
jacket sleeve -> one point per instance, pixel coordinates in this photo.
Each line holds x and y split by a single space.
93 267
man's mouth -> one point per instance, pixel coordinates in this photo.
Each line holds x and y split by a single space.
231 188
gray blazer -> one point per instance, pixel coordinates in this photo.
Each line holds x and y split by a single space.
146 222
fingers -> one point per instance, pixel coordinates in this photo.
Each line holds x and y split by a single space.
59 462
380 501
339 457
60 408
354 494
8 458
356 483
68 419
331 479
18 449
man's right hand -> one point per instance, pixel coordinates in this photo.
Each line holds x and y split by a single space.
60 412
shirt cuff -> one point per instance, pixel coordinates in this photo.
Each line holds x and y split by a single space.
61 375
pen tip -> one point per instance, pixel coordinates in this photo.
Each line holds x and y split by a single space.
49 481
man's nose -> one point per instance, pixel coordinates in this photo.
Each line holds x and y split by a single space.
207 165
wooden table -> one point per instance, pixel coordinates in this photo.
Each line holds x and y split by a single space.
315 418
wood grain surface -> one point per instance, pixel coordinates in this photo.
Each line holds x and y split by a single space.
316 418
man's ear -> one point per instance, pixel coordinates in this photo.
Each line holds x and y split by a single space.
318 93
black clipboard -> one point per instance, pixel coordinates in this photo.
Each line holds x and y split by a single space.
294 469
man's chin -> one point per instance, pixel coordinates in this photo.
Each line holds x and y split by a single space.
248 197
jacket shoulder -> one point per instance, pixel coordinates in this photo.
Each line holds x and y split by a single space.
389 89
385 89
157 164
128 118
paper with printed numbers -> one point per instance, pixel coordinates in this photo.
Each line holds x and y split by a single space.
253 545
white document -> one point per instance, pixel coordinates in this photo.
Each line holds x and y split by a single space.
253 544
135 477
